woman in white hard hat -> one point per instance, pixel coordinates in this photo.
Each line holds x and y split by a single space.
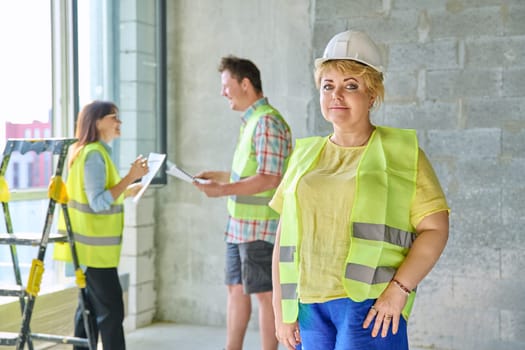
363 216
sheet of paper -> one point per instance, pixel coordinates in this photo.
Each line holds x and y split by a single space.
155 161
181 174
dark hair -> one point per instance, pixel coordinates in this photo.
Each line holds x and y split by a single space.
241 68
87 131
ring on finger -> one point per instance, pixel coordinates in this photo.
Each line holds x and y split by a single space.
388 317
373 308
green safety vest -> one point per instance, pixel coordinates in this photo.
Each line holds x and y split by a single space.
98 235
251 207
380 230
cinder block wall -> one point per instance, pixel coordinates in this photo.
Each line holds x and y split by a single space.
137 91
455 73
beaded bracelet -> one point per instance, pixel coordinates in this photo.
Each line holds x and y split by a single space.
401 286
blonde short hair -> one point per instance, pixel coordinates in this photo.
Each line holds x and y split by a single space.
373 79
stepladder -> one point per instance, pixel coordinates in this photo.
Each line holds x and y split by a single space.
27 291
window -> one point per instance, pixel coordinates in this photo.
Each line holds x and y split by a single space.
120 58
74 52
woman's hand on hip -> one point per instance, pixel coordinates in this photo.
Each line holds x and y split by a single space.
386 311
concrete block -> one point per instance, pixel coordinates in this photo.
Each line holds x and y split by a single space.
452 84
144 90
316 123
422 116
210 269
511 172
454 323
137 66
134 321
147 126
475 217
481 21
476 262
418 5
476 173
513 17
128 37
401 87
437 285
142 213
125 159
512 206
129 128
513 85
342 9
138 241
141 269
505 51
512 326
128 95
394 26
137 36
445 171
142 298
464 144
514 232
512 262
324 31
513 141
194 311
477 293
433 55
137 10
481 112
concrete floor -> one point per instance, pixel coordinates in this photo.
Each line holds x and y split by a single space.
170 336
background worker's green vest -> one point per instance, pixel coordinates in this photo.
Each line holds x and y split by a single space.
98 235
380 230
252 207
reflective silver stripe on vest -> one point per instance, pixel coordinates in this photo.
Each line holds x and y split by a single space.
289 291
286 254
383 233
252 200
97 241
85 208
369 275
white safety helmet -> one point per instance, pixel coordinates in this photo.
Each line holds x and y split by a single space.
355 46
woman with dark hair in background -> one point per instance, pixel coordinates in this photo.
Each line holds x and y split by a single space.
96 197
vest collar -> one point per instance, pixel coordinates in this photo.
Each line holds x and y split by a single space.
251 110
106 146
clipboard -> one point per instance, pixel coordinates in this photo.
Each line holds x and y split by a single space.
155 161
182 174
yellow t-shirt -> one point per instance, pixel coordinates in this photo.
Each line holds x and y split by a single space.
325 198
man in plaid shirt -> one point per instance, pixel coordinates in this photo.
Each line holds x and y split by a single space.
259 163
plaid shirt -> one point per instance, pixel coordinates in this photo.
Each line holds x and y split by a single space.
272 144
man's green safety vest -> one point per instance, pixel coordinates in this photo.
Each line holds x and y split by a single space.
251 207
380 230
98 235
